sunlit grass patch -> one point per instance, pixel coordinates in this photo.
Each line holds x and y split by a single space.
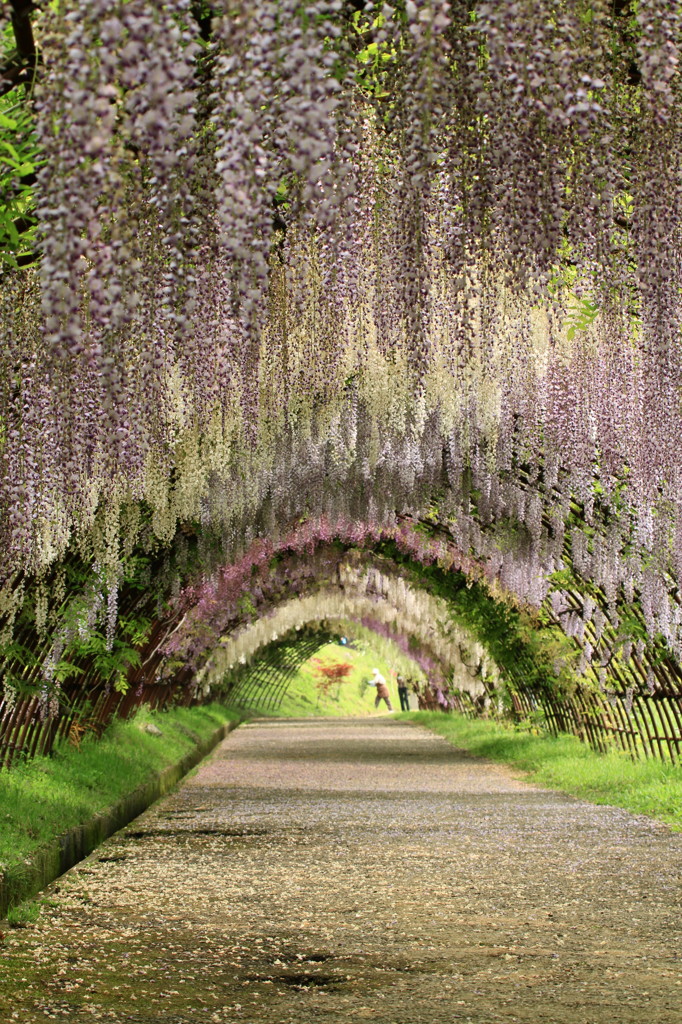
46 796
563 762
349 696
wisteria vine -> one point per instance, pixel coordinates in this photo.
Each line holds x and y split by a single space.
348 262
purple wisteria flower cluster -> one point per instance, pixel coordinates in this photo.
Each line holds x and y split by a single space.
338 262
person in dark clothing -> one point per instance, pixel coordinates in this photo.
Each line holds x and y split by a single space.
403 694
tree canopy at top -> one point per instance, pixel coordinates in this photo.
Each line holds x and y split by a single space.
284 259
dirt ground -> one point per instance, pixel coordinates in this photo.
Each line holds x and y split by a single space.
334 870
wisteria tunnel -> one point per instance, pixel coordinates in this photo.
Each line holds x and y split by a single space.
285 280
335 320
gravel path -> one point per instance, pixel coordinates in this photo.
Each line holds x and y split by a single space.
334 870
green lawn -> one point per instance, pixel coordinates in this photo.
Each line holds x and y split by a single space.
350 697
44 797
652 787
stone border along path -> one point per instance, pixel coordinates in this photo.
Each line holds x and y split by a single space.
25 878
334 870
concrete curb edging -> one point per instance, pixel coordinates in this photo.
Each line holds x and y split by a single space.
23 880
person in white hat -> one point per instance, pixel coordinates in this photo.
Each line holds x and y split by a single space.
382 689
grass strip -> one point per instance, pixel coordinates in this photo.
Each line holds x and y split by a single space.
564 762
47 796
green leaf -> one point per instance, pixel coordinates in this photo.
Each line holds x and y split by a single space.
11 150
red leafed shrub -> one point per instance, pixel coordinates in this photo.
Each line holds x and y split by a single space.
330 674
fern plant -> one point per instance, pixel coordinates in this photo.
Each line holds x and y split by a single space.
19 162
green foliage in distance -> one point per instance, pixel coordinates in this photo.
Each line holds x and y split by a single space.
349 697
